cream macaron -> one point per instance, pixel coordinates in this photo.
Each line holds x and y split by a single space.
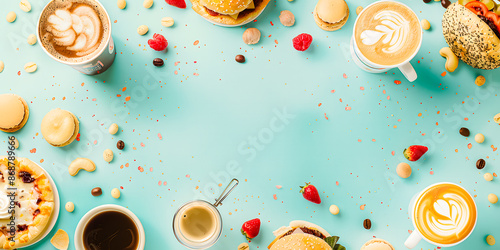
60 127
377 244
14 113
331 15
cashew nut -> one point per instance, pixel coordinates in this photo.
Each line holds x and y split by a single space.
81 163
451 59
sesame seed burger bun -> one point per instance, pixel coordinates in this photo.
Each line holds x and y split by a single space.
470 38
224 8
300 242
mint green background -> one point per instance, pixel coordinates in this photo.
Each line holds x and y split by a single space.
207 121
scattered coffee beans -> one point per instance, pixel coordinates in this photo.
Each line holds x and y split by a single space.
120 145
480 164
465 132
96 191
445 3
240 58
367 224
158 62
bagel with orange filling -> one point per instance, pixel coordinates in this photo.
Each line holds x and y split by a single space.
229 12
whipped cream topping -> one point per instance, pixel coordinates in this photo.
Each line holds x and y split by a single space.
393 28
4 206
78 30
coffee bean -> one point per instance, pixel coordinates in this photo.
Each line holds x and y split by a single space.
240 58
96 191
367 224
480 164
158 62
427 1
445 3
465 132
120 145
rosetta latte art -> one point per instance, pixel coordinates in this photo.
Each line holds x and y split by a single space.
451 216
393 29
78 30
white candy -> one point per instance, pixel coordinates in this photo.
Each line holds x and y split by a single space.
70 207
115 193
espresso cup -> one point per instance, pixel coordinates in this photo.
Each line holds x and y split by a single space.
87 54
443 214
387 35
198 224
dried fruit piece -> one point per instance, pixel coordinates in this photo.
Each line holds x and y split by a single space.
158 42
302 42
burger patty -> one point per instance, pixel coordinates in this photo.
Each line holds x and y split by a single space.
241 14
306 231
491 24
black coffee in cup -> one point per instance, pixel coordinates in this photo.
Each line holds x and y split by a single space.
110 230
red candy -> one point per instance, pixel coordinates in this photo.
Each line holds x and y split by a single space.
158 42
302 42
177 3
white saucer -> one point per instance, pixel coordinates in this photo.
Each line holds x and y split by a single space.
234 25
55 213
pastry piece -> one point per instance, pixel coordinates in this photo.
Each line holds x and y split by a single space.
14 112
60 127
331 15
377 244
229 12
34 202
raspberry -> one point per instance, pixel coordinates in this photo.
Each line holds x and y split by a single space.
158 42
302 42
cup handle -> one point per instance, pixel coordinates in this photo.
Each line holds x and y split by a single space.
413 240
408 71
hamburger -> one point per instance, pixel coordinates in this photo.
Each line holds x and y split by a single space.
473 34
229 12
302 235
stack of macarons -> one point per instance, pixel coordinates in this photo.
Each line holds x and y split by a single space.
14 113
331 15
377 244
60 127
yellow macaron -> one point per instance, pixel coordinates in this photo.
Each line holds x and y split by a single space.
377 244
60 127
14 113
331 15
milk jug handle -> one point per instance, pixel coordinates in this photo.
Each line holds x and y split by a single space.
233 183
413 240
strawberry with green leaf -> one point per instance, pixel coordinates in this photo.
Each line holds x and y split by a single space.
310 193
251 228
414 152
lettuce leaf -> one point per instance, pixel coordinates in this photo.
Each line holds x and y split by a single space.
332 241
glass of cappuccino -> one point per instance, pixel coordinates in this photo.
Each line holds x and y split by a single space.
77 33
387 34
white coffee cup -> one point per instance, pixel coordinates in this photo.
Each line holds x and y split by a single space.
92 66
405 67
80 228
416 236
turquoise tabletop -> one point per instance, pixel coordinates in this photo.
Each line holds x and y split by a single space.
278 120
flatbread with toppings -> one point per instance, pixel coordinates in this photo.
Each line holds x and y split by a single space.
32 202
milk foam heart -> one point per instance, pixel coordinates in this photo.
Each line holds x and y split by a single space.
73 31
445 214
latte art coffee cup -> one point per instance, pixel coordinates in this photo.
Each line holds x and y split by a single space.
77 33
387 34
443 214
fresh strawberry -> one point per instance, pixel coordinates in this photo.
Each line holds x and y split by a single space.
158 43
251 228
177 3
310 193
414 152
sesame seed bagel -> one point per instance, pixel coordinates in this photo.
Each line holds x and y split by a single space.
470 38
226 7
244 16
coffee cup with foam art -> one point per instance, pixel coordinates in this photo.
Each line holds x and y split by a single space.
443 214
